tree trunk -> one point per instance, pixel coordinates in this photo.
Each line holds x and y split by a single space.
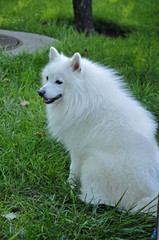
83 15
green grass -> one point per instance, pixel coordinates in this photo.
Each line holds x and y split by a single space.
33 167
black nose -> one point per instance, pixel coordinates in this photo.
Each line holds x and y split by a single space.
41 93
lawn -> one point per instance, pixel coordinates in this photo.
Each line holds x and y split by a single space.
33 167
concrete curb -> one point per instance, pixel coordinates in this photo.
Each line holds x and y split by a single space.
29 42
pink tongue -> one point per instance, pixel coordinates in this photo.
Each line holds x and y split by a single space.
45 100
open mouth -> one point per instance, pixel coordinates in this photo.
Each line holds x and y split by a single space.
51 100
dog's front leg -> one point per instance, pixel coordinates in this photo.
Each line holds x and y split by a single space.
74 175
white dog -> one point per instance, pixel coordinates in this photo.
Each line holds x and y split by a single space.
110 136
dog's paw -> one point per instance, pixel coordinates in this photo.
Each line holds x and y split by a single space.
72 181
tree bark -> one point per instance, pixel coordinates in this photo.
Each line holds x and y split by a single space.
83 15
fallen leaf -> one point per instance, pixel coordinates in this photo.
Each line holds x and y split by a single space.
36 196
10 216
6 80
86 51
24 103
4 74
39 134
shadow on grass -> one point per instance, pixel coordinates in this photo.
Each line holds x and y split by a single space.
108 29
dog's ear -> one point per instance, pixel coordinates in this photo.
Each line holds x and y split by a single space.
76 62
53 54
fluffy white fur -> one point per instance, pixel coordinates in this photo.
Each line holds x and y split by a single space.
110 136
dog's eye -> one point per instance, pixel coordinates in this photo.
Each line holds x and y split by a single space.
47 78
58 82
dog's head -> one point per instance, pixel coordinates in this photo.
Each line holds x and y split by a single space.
55 75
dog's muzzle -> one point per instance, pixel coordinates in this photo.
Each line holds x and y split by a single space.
48 100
